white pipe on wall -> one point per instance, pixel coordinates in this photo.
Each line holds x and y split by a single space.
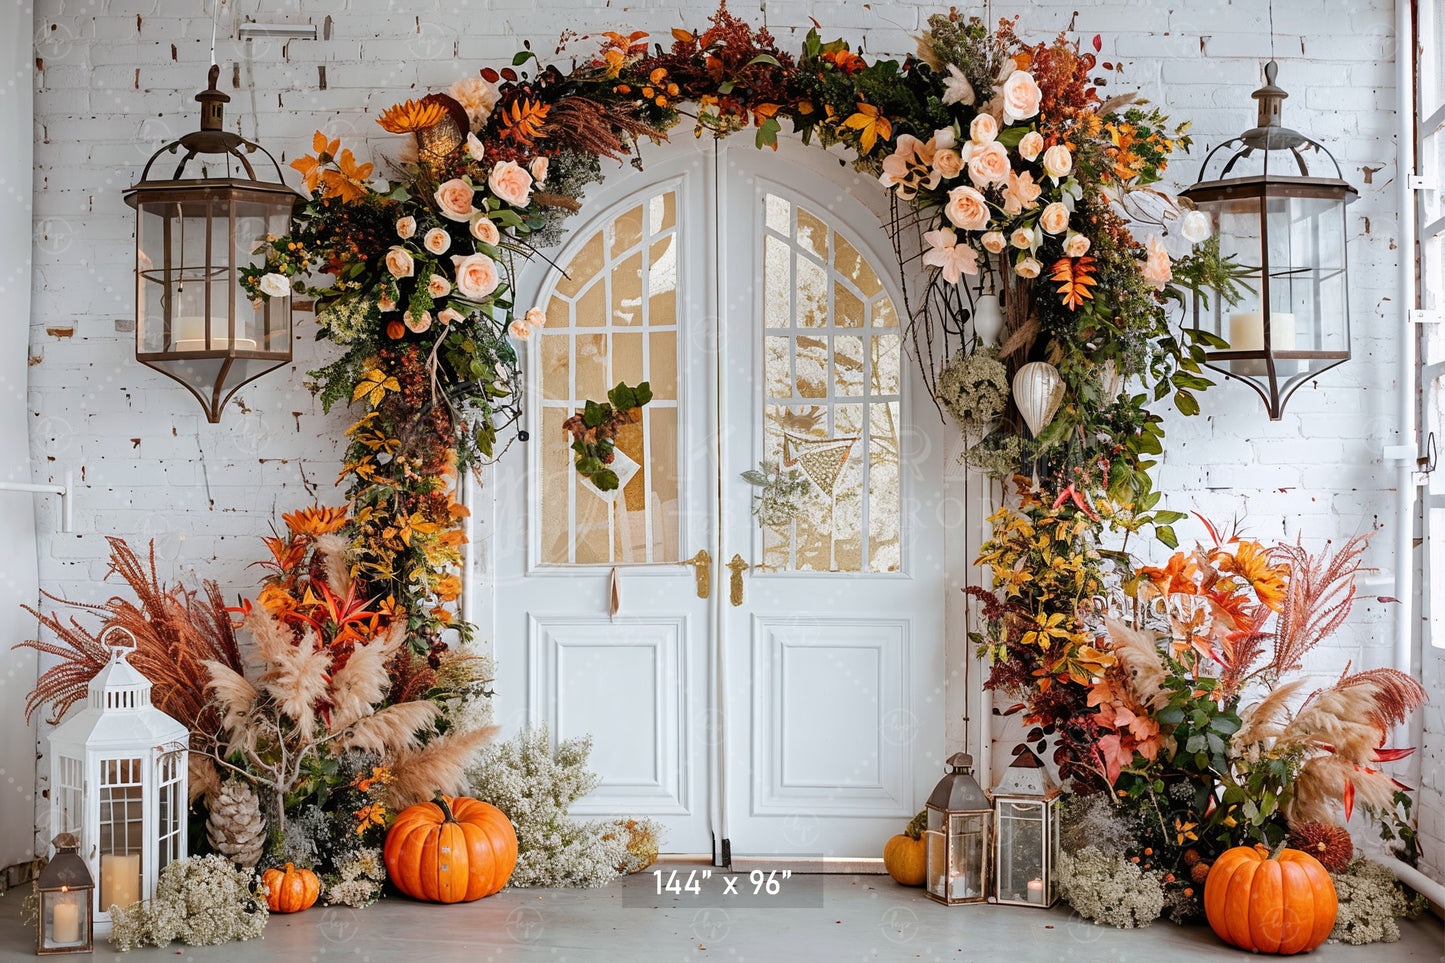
1414 879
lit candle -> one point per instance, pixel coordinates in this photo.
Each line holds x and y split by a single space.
65 924
1246 333
119 880
958 888
1036 891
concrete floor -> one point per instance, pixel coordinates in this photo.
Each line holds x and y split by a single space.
811 918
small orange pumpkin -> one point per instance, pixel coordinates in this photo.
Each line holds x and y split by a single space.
451 850
1266 904
905 855
290 890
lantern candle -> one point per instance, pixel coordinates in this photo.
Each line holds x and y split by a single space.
119 880
65 925
190 335
1036 891
1246 333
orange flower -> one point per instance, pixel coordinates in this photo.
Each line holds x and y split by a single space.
411 116
316 520
372 814
311 168
1250 561
379 774
348 181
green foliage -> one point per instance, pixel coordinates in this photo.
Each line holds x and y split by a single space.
780 494
594 431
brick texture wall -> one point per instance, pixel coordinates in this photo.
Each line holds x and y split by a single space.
114 81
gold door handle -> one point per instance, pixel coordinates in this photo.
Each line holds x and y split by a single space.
702 569
738 567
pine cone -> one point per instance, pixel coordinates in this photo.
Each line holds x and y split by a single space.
235 825
1329 844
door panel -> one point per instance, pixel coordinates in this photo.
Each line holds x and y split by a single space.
833 663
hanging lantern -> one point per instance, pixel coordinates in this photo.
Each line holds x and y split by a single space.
1281 216
956 855
194 323
987 319
1026 833
118 782
64 923
1038 390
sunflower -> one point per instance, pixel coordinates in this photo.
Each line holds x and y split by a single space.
411 116
316 520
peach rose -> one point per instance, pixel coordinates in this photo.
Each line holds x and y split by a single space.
437 241
983 130
448 315
1030 146
485 230
994 242
519 329
944 138
511 183
476 150
1156 263
477 98
967 209
948 163
539 169
1058 162
1022 238
1076 246
476 276
1054 219
454 199
1028 268
417 323
406 228
438 286
536 317
399 262
988 164
1021 96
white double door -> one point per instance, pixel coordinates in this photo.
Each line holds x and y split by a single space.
783 693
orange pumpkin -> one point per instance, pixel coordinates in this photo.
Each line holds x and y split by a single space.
1265 904
451 850
290 890
905 855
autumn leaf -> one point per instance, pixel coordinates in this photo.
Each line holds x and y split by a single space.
348 181
374 386
870 125
1075 277
523 124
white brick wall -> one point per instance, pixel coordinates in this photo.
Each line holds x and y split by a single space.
109 92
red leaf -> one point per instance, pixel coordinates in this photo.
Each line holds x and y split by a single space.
509 74
1390 755
1349 799
490 75
1098 43
1385 598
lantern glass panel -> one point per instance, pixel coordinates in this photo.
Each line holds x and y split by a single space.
65 919
67 791
122 837
172 809
966 855
936 857
1020 834
1056 851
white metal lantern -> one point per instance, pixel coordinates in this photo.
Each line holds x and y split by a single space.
1026 833
956 851
118 783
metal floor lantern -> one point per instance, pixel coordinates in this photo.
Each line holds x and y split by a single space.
1026 833
193 236
956 853
1277 206
118 779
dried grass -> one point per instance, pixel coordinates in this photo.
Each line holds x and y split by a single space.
439 766
363 681
333 550
1139 657
390 730
1317 601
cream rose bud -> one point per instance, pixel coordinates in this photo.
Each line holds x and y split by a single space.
1028 268
1054 219
1195 226
983 130
994 242
989 164
948 163
448 315
1022 238
538 168
437 241
454 199
1021 96
406 228
274 285
438 286
944 138
967 209
511 183
1077 245
476 276
1058 161
1030 146
536 317
399 262
476 150
485 230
